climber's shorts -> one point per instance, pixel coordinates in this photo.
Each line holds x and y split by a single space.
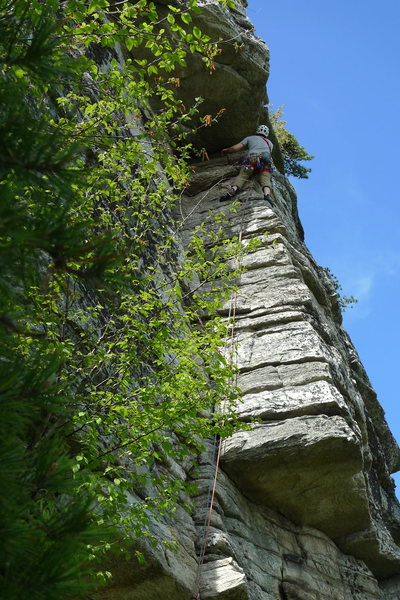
263 177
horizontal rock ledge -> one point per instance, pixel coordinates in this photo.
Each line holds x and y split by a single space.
307 468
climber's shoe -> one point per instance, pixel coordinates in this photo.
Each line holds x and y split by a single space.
268 200
231 192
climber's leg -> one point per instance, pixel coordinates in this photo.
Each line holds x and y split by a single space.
265 181
229 194
238 183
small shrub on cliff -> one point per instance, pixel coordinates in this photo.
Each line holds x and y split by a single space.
343 301
293 153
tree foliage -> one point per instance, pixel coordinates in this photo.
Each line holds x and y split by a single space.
110 357
292 151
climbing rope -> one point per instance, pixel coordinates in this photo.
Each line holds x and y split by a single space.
218 449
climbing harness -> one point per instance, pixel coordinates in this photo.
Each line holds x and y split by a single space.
259 162
217 451
253 162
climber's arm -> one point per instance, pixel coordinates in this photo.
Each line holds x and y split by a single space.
234 148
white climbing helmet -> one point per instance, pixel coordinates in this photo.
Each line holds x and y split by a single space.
262 130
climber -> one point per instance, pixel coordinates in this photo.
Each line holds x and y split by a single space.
256 162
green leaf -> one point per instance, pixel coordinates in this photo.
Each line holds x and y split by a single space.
186 18
196 32
19 72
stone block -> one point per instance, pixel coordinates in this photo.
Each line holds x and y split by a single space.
223 580
308 468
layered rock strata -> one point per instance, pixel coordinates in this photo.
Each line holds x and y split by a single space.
320 454
305 506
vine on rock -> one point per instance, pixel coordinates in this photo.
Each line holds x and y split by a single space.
110 355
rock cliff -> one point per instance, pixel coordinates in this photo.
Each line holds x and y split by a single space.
304 504
320 454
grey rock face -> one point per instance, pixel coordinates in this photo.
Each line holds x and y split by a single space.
304 506
237 82
223 578
321 453
311 460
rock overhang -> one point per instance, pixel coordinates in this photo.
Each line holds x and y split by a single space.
235 87
307 468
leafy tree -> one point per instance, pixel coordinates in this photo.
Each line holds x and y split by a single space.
293 153
110 369
47 519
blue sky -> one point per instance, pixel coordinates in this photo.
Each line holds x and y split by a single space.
335 68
